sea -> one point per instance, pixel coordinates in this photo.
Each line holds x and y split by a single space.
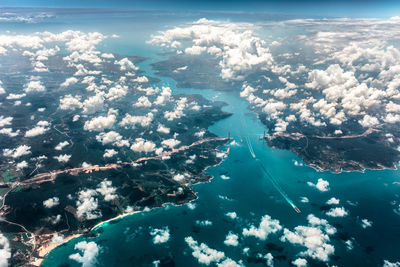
240 183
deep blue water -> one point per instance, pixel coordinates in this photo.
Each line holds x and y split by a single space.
251 194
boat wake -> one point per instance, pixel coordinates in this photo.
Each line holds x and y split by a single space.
273 181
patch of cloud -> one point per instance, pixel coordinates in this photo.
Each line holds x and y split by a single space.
17 152
161 235
142 145
64 158
337 212
231 239
51 202
90 251
266 227
322 185
314 237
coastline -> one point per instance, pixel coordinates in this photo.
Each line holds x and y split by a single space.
45 250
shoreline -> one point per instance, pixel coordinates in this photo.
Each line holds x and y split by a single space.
45 250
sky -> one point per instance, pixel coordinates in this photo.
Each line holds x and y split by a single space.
347 8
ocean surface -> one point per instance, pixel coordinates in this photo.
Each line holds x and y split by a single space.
249 191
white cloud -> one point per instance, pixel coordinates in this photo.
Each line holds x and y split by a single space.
204 223
365 223
70 102
162 129
5 251
315 237
130 120
231 239
69 81
15 96
51 202
126 64
90 252
22 165
87 205
9 132
106 189
321 185
160 235
20 151
61 145
4 121
142 145
333 201
164 96
231 215
34 86
235 45
267 226
62 158
337 212
93 104
304 199
41 128
112 137
387 263
101 122
170 143
300 262
109 153
143 101
203 253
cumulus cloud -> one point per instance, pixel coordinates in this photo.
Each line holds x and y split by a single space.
106 189
161 235
9 132
267 226
109 153
143 121
4 121
333 201
41 128
90 251
365 223
61 145
101 122
22 165
34 86
235 45
126 64
232 215
69 102
17 152
170 143
231 239
143 101
87 205
142 145
314 237
69 81
321 185
51 202
203 253
113 138
5 251
337 212
162 129
62 158
300 262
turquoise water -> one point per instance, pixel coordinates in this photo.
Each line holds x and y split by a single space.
252 195
248 192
